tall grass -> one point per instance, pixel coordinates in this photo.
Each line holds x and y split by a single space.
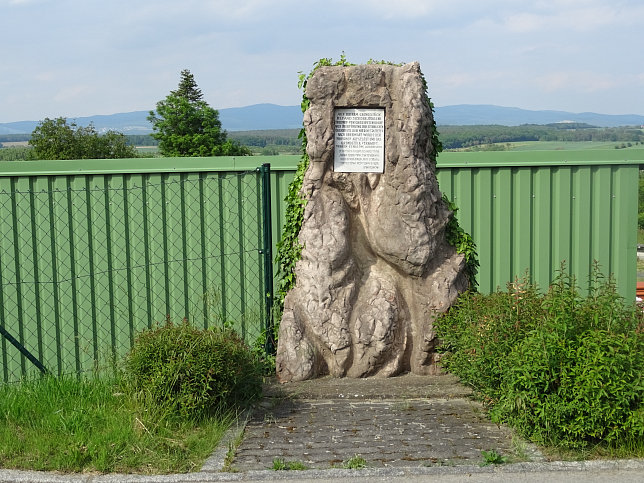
97 425
165 411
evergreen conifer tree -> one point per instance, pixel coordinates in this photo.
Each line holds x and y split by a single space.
185 125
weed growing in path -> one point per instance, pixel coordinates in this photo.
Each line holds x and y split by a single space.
356 462
492 458
281 465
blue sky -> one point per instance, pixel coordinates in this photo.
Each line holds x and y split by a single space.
77 58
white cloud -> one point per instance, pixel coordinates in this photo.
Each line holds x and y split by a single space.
571 15
471 78
74 93
397 9
587 81
23 4
75 58
242 9
45 76
186 14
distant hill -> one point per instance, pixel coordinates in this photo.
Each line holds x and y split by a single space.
469 114
261 117
248 118
271 116
125 122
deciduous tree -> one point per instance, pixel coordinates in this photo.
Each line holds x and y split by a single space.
57 139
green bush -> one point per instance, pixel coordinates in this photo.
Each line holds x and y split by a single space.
478 328
563 369
193 372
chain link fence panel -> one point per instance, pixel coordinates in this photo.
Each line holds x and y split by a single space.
88 261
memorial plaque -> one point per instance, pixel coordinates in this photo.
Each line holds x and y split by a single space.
359 141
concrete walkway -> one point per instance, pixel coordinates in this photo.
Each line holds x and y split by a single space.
408 428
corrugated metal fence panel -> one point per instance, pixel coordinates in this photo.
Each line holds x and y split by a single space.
532 210
280 181
88 260
531 218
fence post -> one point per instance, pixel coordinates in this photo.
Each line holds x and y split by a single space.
23 350
267 251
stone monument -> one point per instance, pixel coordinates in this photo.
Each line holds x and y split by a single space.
375 267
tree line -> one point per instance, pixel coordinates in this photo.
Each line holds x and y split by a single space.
458 137
60 139
183 124
186 126
270 137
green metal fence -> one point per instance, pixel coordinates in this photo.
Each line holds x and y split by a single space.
92 252
532 210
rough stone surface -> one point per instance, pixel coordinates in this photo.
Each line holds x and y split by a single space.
375 267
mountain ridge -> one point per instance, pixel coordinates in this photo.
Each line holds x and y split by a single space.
473 114
272 116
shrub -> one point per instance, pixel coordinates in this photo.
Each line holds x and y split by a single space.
193 372
478 328
562 369
574 392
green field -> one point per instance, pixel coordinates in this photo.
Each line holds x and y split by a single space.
551 146
147 149
566 145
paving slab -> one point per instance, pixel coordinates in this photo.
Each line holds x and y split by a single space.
396 422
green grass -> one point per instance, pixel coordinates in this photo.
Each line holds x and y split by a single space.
356 462
282 465
628 450
492 458
97 425
640 263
